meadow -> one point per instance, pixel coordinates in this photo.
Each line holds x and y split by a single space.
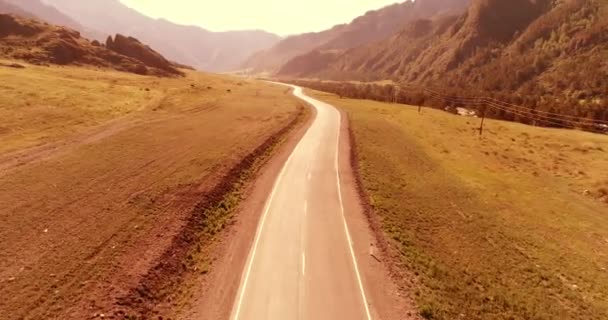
510 225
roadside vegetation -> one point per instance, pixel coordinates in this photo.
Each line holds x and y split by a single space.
102 172
512 225
493 105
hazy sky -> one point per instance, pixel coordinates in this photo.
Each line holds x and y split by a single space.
282 17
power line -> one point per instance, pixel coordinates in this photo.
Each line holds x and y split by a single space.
534 115
526 112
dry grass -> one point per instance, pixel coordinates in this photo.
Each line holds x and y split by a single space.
43 104
81 220
511 226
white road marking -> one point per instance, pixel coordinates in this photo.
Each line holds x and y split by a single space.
245 280
348 238
252 254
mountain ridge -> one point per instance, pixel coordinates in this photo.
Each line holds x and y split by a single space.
543 54
43 11
187 44
372 26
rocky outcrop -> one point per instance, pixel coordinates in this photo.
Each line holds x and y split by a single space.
10 25
41 43
131 47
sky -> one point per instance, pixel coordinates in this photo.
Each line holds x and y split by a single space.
282 17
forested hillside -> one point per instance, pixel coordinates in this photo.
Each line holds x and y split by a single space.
373 26
545 55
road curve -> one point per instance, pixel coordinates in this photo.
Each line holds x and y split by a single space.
301 264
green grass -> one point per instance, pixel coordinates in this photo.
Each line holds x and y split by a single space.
510 226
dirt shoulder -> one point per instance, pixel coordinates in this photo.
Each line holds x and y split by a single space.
175 276
214 292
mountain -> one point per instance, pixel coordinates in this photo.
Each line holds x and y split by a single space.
40 10
373 26
133 48
38 42
273 58
545 54
191 45
7 7
380 24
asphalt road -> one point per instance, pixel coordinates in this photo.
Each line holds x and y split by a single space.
302 264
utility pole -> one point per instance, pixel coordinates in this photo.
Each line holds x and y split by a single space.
483 118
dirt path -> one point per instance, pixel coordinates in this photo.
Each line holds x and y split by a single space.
13 160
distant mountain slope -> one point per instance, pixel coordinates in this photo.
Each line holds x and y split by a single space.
40 10
7 7
547 54
273 58
380 24
38 42
191 45
373 26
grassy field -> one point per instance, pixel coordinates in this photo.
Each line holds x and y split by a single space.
510 226
108 168
39 105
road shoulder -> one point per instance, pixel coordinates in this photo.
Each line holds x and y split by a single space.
386 290
217 290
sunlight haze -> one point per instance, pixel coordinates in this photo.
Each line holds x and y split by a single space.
276 16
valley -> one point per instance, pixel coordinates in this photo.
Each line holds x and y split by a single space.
424 160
